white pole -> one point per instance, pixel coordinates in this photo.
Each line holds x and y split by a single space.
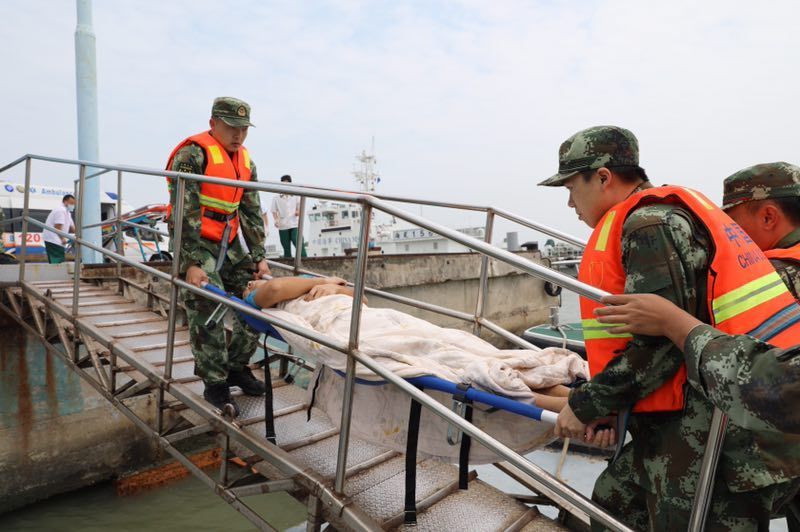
88 147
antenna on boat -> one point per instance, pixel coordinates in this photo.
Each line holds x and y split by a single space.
366 175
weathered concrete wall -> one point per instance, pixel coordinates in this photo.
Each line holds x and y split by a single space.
56 433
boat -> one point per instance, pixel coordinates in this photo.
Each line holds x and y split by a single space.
333 226
139 244
568 335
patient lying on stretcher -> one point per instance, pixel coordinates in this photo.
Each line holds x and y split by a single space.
410 346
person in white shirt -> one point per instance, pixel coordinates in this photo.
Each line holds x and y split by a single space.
286 211
61 219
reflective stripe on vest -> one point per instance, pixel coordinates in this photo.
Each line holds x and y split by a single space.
221 199
745 294
594 330
746 297
221 205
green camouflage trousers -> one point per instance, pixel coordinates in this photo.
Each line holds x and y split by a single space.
617 492
212 357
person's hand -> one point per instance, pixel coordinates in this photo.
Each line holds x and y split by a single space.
262 268
196 276
335 280
569 426
605 437
636 314
276 223
322 290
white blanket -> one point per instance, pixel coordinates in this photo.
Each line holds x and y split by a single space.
411 347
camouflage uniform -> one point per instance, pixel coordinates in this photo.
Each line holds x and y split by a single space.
767 181
213 358
652 483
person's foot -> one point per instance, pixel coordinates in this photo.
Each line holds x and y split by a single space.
219 395
245 380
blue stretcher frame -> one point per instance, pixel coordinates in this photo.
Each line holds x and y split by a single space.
427 381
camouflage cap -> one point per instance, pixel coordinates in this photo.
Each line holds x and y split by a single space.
232 111
760 182
593 148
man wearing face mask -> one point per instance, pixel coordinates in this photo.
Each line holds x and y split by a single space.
61 219
210 249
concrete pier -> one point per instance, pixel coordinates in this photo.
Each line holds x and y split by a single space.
56 433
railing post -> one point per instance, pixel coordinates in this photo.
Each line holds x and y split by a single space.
118 236
23 250
177 224
708 470
483 284
355 326
298 248
76 246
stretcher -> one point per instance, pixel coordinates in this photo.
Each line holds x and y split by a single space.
466 401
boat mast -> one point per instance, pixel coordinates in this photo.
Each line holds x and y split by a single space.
366 176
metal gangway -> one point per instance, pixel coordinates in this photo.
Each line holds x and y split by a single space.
131 348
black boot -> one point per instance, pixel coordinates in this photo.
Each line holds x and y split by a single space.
219 395
245 380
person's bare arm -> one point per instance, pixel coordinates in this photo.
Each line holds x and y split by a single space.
286 288
328 289
647 314
59 227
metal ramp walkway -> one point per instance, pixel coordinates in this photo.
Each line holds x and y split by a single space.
375 476
124 339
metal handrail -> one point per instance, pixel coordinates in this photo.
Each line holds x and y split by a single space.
557 490
323 193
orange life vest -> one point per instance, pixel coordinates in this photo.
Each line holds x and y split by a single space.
745 294
790 254
219 204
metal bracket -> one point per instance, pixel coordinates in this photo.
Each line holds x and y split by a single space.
217 316
453 434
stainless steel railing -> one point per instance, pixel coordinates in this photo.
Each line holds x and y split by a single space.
556 490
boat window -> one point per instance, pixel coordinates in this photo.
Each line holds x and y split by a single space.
406 247
355 214
435 245
345 214
16 227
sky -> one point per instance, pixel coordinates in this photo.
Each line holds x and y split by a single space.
468 101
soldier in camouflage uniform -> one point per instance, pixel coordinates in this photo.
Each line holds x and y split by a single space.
765 201
755 384
220 365
665 251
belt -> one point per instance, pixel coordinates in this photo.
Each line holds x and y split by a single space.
219 217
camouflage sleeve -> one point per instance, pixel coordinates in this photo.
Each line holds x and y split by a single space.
664 253
790 274
190 159
755 383
251 220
